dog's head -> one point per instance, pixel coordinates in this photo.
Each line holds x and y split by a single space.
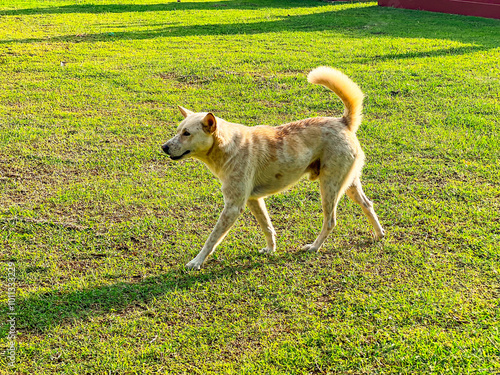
194 135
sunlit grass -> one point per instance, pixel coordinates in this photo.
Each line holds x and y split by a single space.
99 223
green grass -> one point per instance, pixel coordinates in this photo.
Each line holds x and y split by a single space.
99 224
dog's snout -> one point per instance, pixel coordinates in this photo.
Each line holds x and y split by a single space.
165 148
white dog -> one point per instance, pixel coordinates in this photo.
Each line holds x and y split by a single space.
254 162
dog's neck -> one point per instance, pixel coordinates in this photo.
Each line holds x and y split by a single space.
219 155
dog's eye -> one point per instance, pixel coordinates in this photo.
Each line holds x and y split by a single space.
186 133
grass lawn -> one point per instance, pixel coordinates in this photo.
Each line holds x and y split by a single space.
98 223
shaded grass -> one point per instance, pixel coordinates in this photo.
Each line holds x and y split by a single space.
99 223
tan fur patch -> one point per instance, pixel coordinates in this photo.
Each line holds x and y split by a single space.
296 127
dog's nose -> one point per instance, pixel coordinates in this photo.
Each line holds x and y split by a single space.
165 148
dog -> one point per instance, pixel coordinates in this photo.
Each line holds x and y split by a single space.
255 162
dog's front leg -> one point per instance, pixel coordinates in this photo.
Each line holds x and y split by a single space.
226 220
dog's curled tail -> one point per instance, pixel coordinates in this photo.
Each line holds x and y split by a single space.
346 90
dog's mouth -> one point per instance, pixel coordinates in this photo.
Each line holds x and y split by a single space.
180 156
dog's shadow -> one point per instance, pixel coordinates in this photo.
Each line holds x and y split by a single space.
37 313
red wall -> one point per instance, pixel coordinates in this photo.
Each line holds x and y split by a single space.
479 8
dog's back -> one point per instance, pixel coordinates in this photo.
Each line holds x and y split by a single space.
283 154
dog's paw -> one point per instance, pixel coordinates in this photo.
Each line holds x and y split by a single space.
194 265
267 250
311 248
379 236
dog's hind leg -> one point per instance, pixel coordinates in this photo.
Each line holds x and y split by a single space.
258 209
329 187
355 192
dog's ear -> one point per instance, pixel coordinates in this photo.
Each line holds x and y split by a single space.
209 123
185 112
